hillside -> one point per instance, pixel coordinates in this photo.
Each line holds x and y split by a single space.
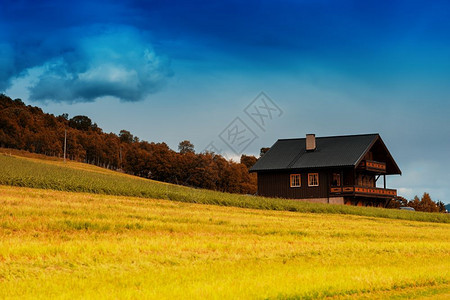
69 245
80 177
73 230
29 128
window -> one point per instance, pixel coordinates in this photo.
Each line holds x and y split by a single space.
295 180
365 180
336 179
313 179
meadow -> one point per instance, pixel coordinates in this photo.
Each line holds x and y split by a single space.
66 245
72 230
78 177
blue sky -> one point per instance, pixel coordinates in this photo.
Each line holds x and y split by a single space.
175 70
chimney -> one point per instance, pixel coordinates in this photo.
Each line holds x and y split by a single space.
310 142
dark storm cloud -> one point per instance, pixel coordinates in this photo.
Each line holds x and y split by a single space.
89 49
116 62
75 60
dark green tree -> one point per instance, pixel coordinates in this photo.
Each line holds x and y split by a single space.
81 123
441 206
185 147
126 136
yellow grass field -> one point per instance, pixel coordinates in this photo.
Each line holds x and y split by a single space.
54 174
67 245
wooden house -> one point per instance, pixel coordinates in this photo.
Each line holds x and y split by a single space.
335 169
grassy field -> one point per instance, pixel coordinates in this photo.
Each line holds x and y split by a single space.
79 177
67 245
71 230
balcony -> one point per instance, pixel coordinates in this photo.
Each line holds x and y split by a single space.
373 166
363 191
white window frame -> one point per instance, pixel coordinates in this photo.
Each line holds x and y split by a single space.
291 180
312 175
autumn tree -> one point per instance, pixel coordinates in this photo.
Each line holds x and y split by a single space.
424 204
263 151
414 203
428 205
29 128
398 202
248 160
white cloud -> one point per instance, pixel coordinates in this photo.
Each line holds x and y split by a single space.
117 62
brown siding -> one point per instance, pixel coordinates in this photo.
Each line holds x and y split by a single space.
278 185
349 177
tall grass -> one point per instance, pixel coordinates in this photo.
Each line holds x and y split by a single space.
63 245
78 177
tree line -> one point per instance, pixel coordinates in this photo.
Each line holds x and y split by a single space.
423 204
29 128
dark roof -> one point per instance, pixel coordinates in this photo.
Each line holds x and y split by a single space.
333 151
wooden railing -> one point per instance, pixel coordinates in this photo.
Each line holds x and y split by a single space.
375 166
361 190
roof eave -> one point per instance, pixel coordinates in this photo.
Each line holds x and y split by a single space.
306 168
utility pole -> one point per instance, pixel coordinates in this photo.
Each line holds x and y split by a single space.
65 144
120 156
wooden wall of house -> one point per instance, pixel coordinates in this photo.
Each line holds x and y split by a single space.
364 179
349 177
275 184
378 152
